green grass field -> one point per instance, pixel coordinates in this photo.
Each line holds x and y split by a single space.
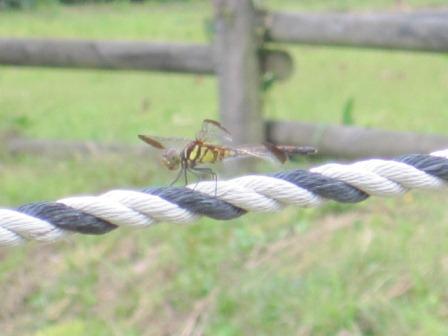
377 268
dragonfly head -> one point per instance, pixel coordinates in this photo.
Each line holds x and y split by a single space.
171 159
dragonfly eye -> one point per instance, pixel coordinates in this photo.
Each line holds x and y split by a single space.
171 159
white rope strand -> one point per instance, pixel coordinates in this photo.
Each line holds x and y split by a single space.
233 193
153 207
282 191
108 210
26 227
365 180
401 173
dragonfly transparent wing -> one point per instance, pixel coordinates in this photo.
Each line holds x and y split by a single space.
270 152
165 142
255 151
213 132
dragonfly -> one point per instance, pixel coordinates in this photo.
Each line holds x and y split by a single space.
212 144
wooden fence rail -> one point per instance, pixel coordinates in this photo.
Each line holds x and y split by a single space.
126 55
117 55
427 31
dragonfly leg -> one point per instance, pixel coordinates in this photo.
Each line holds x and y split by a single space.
183 170
196 174
179 174
185 175
208 171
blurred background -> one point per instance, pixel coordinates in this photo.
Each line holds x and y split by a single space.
376 268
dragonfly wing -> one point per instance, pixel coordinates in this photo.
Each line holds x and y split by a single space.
165 142
270 152
277 152
151 141
284 152
255 151
213 132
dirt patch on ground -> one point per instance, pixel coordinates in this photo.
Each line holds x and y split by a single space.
19 286
298 243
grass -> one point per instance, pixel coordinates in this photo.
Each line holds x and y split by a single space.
377 268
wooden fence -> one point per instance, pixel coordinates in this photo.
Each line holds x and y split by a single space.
238 58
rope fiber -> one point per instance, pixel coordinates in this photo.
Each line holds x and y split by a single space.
345 183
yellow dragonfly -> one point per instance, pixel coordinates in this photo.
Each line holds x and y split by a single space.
187 155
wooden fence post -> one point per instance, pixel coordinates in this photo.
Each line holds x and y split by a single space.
237 65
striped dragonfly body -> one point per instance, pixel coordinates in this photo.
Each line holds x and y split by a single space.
191 155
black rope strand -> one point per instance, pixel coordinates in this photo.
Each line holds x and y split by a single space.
197 202
323 186
433 165
67 218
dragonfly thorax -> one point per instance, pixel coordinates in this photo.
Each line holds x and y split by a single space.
171 159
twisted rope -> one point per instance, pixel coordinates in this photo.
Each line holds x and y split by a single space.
351 183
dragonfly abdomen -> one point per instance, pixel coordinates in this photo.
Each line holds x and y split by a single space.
291 150
199 152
